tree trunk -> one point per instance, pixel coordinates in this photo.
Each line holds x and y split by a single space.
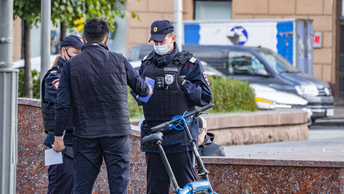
63 30
27 67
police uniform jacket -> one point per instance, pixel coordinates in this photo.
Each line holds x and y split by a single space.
209 148
95 83
50 86
195 92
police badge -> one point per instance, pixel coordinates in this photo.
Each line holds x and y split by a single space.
169 78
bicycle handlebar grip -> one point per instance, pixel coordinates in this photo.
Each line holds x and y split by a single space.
206 107
160 126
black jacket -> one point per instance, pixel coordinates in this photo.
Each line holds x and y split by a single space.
50 86
209 148
95 83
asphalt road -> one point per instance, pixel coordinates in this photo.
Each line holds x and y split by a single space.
321 134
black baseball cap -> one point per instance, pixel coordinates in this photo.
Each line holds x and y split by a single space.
72 40
160 29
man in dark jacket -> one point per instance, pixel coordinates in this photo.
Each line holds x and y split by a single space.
206 146
95 84
61 178
180 85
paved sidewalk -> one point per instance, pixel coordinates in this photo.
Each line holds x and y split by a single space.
320 141
317 140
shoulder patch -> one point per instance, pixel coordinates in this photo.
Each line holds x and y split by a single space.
56 83
192 59
205 78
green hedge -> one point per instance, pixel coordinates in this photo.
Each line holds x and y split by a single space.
231 95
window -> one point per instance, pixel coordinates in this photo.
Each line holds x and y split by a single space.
277 62
213 10
243 63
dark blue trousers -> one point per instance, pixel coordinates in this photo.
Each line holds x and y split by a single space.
158 181
61 178
88 158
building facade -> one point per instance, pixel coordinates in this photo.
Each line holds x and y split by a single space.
328 60
324 13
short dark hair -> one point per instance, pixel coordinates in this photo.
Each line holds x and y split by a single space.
96 30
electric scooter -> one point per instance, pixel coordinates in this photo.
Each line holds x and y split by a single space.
155 139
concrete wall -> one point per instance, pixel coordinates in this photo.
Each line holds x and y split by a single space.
310 171
256 127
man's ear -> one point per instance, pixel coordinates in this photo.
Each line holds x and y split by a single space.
174 37
106 40
83 39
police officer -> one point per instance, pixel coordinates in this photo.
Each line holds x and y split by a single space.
180 85
60 176
206 145
95 84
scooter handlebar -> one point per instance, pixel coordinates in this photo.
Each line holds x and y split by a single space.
165 124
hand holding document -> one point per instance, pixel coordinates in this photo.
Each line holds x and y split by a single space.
150 82
52 157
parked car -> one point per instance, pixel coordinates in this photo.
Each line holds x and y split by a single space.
268 98
260 66
209 70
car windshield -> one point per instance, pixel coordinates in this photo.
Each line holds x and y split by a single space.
277 62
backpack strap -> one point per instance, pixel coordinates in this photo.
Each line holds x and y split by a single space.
183 57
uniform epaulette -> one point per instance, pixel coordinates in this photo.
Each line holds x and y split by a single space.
51 72
192 59
144 58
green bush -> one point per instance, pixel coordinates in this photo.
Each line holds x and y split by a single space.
230 95
35 83
135 111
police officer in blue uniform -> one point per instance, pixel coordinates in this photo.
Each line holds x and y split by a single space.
95 84
180 85
61 178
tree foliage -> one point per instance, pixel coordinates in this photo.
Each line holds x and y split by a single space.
75 13
28 10
35 86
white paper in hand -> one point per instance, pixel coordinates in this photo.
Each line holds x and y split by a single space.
52 157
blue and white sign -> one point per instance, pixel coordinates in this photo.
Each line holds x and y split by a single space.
238 35
227 33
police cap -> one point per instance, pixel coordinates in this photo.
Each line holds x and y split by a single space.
72 40
160 29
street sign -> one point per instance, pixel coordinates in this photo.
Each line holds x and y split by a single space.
317 39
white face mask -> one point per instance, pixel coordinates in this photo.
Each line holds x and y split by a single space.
161 50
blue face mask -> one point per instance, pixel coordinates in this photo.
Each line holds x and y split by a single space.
161 50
